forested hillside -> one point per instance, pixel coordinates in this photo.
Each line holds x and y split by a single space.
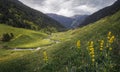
16 14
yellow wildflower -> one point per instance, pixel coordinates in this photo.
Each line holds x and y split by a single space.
93 60
110 48
101 44
91 53
92 56
111 39
91 49
91 43
78 44
45 56
101 49
109 35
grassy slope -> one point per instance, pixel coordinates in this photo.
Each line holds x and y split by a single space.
24 38
64 54
6 55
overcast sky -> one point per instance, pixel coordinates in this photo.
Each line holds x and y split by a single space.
68 7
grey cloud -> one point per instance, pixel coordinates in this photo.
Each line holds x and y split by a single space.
68 7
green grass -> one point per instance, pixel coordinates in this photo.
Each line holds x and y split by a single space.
65 55
9 60
24 38
6 55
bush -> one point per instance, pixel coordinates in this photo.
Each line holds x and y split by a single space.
7 37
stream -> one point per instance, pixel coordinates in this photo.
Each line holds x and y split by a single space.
29 49
36 49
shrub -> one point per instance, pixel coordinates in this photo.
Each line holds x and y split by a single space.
7 37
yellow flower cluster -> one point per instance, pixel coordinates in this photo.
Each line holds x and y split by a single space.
78 44
101 45
45 56
91 49
110 37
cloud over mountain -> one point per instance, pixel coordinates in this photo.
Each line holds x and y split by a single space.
68 7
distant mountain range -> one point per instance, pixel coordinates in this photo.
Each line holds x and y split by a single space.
82 20
68 22
107 11
16 14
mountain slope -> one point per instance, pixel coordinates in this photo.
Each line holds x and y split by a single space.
102 13
68 22
16 14
65 56
78 20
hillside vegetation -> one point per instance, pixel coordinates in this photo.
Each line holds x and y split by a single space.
23 38
68 56
16 14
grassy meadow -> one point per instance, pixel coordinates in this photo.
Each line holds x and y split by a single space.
24 38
